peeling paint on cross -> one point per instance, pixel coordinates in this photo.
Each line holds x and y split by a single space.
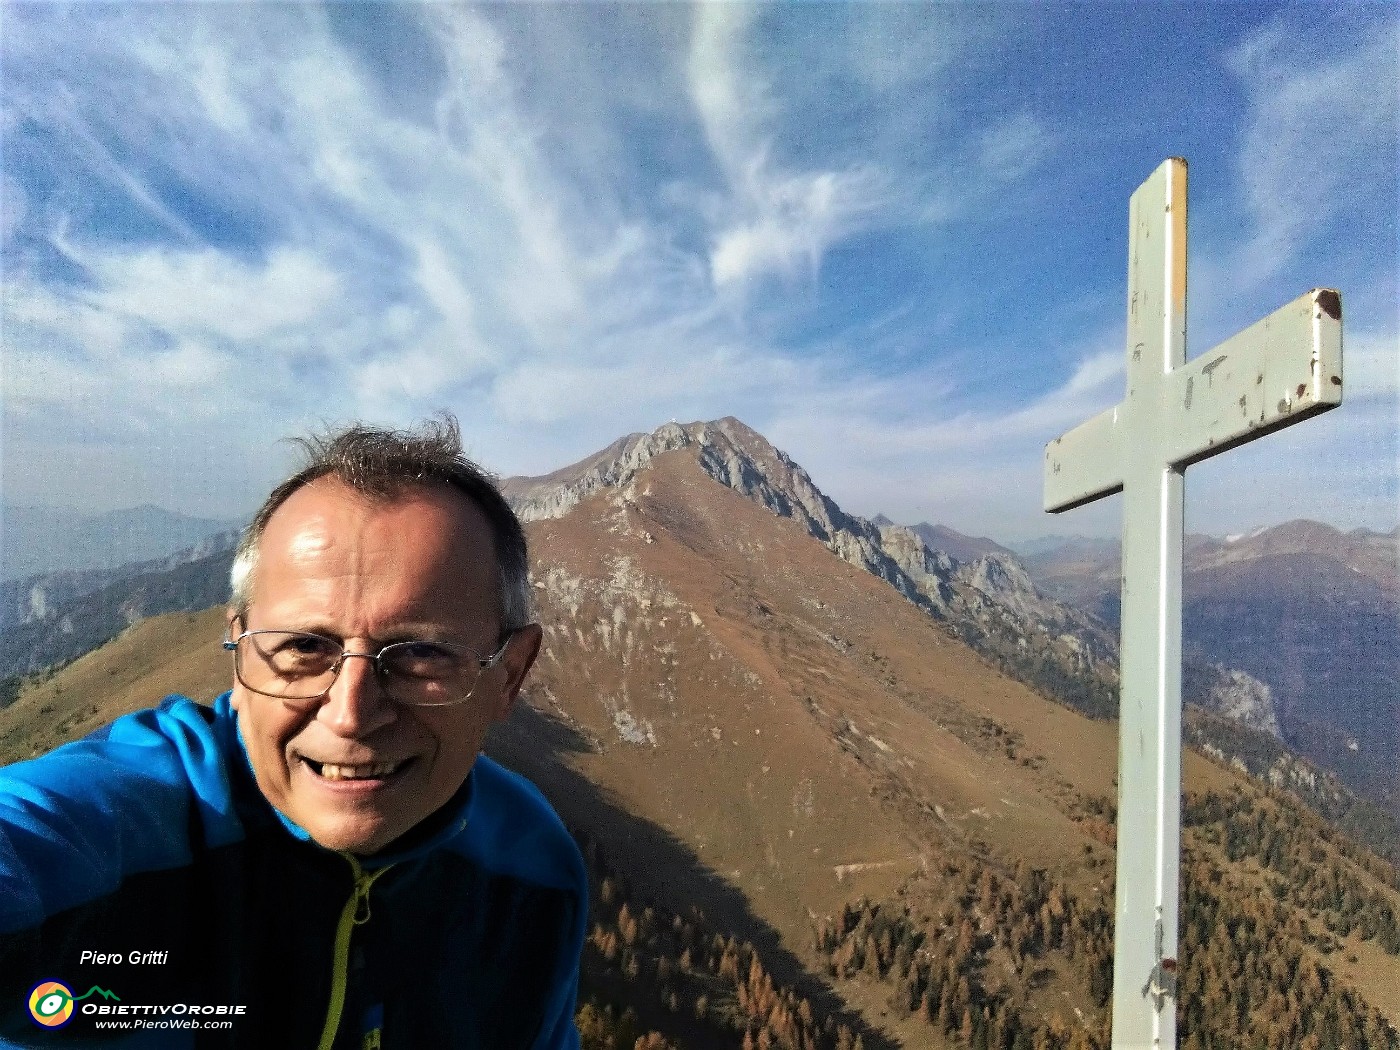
1276 372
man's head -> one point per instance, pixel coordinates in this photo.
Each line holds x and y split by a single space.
384 537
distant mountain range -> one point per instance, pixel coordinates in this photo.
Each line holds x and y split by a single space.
59 624
1311 611
833 740
37 540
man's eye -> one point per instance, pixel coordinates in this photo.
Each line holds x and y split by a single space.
307 646
422 660
424 650
304 649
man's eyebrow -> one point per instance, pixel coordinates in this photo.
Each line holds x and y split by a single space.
415 631
409 631
307 626
405 631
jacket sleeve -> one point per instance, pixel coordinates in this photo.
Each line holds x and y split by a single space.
76 822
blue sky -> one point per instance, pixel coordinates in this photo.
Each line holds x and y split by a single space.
891 237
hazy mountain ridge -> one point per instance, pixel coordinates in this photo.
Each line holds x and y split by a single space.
44 540
1082 570
956 544
56 628
44 596
1306 608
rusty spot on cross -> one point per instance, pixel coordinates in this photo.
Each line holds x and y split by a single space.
1330 303
1302 389
1336 380
1206 370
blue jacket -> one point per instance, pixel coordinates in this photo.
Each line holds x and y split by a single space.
149 847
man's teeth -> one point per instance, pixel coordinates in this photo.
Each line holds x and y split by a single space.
372 772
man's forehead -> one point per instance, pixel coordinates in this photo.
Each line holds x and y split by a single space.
327 512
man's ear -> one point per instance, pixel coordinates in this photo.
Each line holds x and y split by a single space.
519 658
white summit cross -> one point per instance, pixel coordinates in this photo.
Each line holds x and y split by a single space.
1280 370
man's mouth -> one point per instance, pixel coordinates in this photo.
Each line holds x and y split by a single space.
370 771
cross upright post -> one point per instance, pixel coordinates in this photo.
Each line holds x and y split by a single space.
1278 371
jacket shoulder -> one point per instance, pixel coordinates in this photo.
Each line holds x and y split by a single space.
511 828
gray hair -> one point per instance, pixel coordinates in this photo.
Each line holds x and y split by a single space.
382 463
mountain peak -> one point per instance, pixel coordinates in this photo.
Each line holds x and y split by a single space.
737 457
724 446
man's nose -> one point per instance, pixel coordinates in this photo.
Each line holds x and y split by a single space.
356 704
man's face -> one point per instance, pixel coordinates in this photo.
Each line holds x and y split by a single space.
368 572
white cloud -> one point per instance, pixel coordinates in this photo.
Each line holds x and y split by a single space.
776 220
1320 139
795 219
444 288
1091 374
30 307
1013 148
209 292
480 116
189 366
397 383
731 108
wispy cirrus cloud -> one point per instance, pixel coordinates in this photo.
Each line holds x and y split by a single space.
207 292
775 218
1319 140
1013 149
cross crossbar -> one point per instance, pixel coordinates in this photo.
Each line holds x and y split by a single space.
1294 359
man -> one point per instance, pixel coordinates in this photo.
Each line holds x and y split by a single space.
321 859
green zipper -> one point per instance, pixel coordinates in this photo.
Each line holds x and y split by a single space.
355 913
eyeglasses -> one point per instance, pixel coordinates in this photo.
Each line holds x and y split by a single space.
293 666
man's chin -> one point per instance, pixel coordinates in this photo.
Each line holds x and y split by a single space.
360 840
362 832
